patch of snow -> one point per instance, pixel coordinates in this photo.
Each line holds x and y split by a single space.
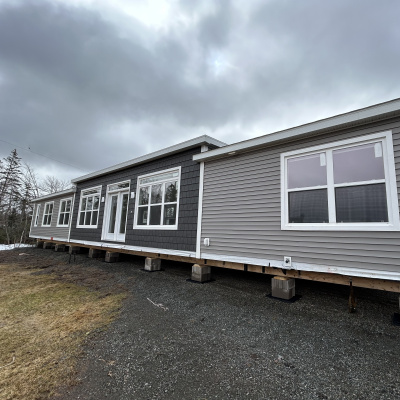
13 246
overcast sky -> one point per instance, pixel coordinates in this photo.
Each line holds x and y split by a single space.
94 83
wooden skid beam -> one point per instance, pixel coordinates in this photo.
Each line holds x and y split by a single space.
369 283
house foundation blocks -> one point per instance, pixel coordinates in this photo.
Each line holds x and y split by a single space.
48 245
201 273
152 264
283 287
60 247
111 257
96 253
74 249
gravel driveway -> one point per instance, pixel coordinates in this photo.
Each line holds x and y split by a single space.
227 340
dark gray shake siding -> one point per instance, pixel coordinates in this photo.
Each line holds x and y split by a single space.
50 231
242 212
184 238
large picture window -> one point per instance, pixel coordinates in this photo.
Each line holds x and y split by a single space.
47 214
157 200
89 208
344 185
64 212
37 214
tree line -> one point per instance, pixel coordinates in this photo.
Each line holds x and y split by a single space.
19 185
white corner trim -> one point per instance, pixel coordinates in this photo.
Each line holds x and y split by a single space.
200 211
360 272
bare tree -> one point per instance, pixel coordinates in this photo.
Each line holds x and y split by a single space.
51 184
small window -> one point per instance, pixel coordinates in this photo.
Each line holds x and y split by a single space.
344 185
157 202
48 212
64 214
89 208
37 214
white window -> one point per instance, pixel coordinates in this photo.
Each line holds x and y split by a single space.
157 200
37 214
89 208
347 185
64 214
47 214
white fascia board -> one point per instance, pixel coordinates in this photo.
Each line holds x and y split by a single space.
54 195
368 114
198 141
347 271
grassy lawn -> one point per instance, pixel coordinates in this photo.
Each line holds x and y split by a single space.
43 324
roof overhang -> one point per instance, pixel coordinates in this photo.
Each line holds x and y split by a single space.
351 119
198 141
55 195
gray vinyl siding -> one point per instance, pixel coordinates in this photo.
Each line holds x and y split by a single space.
52 230
242 212
184 238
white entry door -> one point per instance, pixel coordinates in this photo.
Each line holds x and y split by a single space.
115 216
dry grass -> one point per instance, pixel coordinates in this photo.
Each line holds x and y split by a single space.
43 324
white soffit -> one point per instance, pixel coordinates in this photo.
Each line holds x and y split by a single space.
50 196
198 141
353 118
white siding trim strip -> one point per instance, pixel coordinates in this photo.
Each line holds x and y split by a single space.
123 247
342 120
200 211
49 238
364 273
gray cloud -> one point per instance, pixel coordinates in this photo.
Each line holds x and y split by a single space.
90 92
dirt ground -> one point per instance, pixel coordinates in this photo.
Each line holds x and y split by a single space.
227 339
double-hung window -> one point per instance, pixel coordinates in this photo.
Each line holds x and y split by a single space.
347 185
157 202
37 214
65 212
47 214
89 208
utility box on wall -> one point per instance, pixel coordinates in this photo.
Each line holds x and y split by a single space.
282 287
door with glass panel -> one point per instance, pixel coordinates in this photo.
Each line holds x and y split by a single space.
116 212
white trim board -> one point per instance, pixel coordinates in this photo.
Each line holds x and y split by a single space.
54 195
136 248
122 247
198 141
346 271
351 119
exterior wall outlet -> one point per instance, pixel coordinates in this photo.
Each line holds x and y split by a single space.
287 261
207 242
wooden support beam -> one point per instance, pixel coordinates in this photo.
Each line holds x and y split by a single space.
370 283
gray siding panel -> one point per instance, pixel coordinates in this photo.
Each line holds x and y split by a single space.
242 212
184 238
53 230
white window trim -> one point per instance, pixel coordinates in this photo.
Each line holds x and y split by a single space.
391 187
36 220
98 188
107 211
44 210
59 212
157 227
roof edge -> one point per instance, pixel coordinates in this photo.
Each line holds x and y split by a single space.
197 141
355 117
57 194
